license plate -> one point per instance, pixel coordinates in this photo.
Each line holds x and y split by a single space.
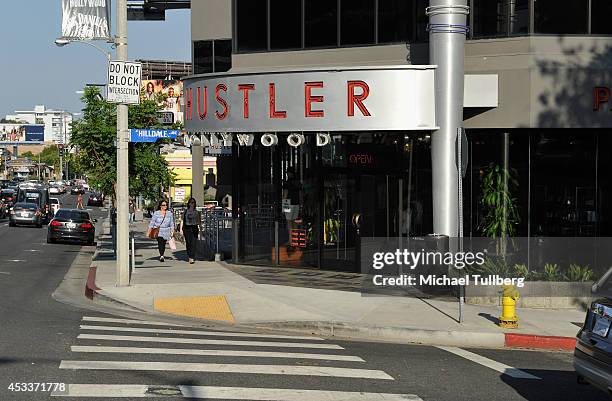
602 326
25 214
71 225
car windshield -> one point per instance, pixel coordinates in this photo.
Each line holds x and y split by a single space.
71 215
29 206
54 201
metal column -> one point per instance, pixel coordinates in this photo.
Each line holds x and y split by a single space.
447 30
197 171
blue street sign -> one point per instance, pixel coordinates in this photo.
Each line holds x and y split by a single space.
152 135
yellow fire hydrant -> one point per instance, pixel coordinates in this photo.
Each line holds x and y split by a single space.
508 318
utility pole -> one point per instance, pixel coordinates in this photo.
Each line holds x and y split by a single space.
122 268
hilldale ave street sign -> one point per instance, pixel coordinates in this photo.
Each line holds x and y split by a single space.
311 100
123 82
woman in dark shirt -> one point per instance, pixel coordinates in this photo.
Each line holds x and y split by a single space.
190 226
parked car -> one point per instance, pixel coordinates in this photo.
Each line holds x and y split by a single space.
24 213
55 205
77 190
71 225
39 196
95 199
593 352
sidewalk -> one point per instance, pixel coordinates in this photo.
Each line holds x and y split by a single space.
243 296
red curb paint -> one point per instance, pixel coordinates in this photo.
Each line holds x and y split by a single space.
543 342
90 286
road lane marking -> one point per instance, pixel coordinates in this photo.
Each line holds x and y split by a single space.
7 273
226 393
228 368
489 363
179 340
214 352
194 332
15 260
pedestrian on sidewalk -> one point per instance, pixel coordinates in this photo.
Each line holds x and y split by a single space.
191 228
132 211
164 221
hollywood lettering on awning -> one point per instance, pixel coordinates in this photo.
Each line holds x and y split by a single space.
86 19
352 99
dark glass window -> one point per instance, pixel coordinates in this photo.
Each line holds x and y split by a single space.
321 23
395 20
601 10
357 22
223 55
421 21
567 17
202 57
519 16
490 18
285 24
251 25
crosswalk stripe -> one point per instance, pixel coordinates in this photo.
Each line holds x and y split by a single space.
128 321
489 363
228 393
193 332
214 352
207 341
228 368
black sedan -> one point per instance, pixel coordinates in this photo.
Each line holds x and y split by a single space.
25 214
95 199
71 225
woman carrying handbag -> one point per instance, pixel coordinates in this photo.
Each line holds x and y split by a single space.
191 228
161 227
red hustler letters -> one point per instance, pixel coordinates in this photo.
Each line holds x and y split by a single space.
356 91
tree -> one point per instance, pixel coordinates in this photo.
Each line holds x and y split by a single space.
94 138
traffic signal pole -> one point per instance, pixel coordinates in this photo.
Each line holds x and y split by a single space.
122 191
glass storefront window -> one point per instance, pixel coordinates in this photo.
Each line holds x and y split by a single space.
285 24
493 18
395 20
321 23
567 17
202 57
601 10
251 25
357 22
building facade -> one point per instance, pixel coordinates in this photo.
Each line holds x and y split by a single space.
58 123
550 125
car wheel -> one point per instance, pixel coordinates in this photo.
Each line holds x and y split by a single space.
50 240
38 225
11 224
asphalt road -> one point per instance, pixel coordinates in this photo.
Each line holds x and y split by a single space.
44 341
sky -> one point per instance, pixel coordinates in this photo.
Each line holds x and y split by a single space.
35 71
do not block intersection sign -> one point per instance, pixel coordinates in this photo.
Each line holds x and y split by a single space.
124 82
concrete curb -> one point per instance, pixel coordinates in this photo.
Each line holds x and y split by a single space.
539 342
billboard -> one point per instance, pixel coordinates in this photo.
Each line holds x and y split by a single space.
21 133
173 89
86 19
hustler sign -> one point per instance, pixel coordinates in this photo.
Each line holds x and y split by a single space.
347 99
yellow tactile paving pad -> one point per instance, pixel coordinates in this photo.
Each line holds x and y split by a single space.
213 307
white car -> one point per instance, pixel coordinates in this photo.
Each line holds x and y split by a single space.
54 190
55 205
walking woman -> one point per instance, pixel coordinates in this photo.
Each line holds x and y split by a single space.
191 227
161 227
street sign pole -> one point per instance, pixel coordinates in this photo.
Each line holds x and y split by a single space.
122 268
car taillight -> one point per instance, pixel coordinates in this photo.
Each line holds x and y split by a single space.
86 225
55 223
9 199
